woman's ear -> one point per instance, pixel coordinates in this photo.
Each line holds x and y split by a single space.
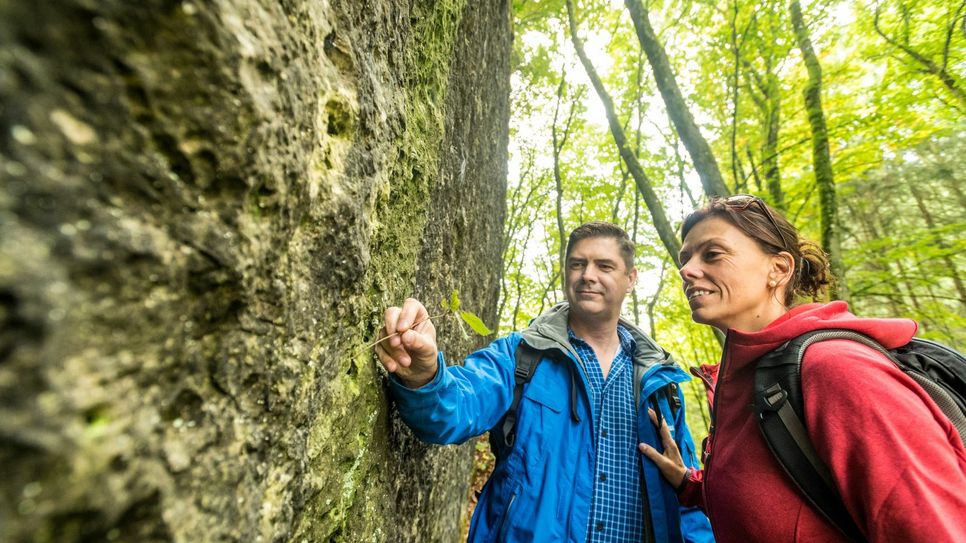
782 267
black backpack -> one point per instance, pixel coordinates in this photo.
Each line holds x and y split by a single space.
939 370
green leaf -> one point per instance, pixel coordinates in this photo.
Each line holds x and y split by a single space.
454 302
475 323
444 304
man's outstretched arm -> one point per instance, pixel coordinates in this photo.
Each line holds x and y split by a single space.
443 404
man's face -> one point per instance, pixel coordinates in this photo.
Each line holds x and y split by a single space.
597 278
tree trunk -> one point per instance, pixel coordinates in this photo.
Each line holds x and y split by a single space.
212 205
654 206
559 140
701 155
821 158
769 149
736 181
769 105
635 302
652 301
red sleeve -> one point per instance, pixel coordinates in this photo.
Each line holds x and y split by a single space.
898 461
691 491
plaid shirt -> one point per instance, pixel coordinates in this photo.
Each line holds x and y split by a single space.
616 512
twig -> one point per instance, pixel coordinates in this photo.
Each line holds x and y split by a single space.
380 340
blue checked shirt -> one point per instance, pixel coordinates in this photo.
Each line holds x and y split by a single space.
616 511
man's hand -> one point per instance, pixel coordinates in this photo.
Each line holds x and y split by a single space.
670 463
411 354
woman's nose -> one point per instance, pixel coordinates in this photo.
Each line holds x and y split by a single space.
688 271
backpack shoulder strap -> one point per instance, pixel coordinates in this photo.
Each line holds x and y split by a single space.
780 409
526 360
638 375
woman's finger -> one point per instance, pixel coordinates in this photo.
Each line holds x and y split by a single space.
665 433
672 469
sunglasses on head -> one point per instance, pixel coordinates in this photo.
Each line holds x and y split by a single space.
741 202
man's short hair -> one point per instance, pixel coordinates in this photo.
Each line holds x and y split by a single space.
601 229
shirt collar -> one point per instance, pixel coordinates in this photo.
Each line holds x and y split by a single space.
628 345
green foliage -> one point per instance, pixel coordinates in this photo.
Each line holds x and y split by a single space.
896 133
475 323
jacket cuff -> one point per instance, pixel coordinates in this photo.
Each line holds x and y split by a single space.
690 489
429 387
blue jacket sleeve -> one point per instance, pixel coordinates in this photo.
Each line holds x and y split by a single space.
461 402
695 526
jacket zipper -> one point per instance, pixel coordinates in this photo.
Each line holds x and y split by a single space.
506 518
711 429
699 372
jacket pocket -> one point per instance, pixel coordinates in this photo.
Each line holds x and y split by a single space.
542 393
542 423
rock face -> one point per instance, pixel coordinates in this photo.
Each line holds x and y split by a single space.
204 208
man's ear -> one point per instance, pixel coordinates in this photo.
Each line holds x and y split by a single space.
633 277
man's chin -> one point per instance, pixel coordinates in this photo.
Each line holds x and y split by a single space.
588 308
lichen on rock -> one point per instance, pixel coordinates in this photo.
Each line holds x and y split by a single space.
204 209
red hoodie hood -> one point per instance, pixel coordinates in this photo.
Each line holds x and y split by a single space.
745 347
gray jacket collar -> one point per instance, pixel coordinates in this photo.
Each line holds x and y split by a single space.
549 331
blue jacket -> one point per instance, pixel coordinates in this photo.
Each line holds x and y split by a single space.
541 489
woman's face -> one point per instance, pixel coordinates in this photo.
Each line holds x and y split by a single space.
726 276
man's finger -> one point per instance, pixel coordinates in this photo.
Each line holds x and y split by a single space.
396 353
386 360
416 343
391 320
412 312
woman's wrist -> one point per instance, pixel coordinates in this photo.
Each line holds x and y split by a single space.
684 481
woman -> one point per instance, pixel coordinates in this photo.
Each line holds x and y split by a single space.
897 461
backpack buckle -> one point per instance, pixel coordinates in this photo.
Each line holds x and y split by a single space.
774 397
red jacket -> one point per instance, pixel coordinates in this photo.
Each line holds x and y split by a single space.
897 460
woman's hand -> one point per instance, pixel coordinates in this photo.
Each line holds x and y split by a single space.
670 463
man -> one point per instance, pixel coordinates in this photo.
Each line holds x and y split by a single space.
572 473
